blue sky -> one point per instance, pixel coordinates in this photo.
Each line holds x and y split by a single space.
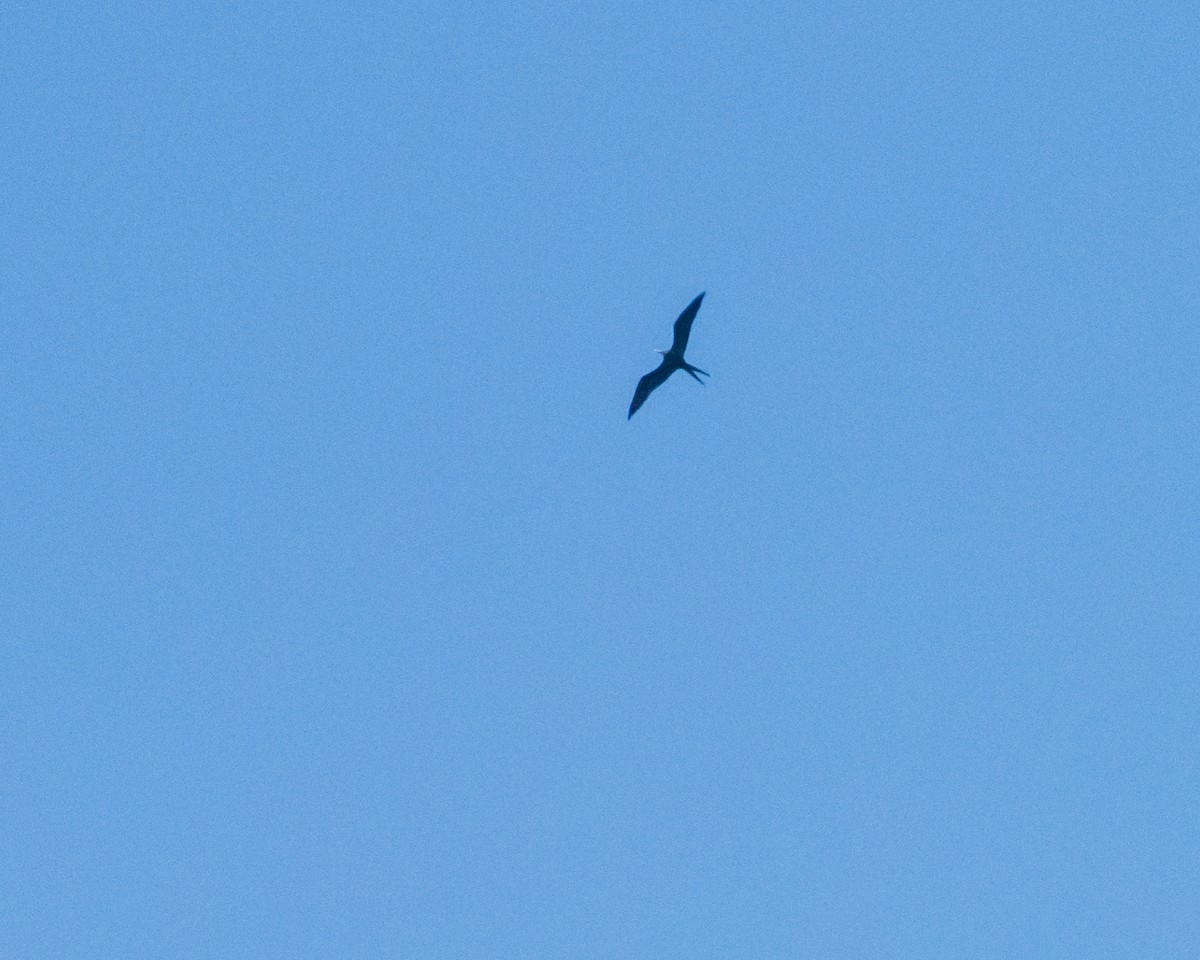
345 614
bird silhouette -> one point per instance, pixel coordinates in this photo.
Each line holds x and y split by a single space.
672 359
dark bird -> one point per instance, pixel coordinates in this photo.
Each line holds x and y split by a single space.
672 359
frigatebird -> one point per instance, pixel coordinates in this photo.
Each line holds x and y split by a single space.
672 359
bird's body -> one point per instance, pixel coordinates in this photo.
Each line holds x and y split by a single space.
672 359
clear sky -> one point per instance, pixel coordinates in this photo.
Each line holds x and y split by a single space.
343 612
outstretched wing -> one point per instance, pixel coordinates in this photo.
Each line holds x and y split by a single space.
683 326
648 384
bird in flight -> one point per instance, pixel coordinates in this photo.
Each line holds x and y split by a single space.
672 359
